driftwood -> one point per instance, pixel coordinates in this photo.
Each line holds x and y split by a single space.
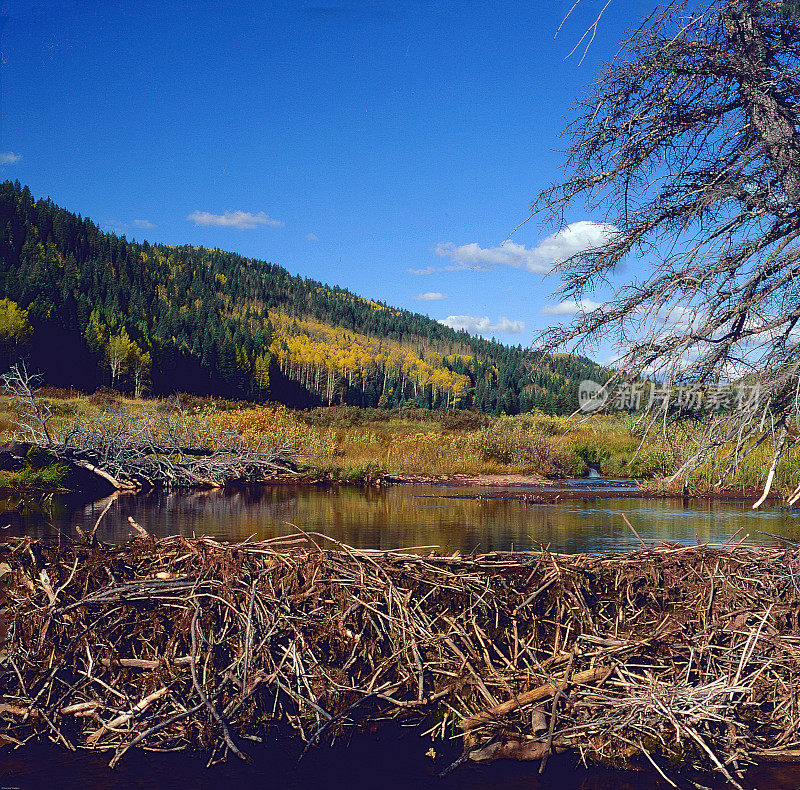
118 485
664 657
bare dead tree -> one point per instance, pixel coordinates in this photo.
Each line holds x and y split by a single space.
157 445
152 445
689 146
33 414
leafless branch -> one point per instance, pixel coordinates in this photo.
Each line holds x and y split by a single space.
689 146
33 414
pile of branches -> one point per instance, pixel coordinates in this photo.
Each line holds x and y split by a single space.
677 657
156 446
153 445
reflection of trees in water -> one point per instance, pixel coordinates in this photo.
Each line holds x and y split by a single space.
413 516
20 511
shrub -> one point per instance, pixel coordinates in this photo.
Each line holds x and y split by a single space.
515 441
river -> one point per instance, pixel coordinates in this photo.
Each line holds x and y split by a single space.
447 519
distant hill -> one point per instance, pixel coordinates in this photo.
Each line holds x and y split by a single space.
158 318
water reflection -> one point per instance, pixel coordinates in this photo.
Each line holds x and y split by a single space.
379 759
446 517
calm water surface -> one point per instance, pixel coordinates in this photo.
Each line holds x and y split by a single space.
448 518
387 762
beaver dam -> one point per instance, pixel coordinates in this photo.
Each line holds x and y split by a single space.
676 658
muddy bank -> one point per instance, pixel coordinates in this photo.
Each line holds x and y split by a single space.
399 478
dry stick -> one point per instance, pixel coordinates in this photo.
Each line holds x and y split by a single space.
732 538
538 591
779 755
556 698
111 501
248 637
644 545
199 689
125 717
151 731
141 532
704 746
32 706
320 731
144 663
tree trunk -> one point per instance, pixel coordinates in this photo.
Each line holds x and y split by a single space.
772 120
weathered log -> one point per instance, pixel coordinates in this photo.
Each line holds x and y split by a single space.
119 485
534 695
514 750
144 663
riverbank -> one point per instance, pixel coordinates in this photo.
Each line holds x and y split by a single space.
679 657
222 443
356 444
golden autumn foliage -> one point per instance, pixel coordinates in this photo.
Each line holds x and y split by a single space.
323 357
15 328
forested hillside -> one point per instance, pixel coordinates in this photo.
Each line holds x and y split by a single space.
86 308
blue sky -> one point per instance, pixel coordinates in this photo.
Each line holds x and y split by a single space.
386 147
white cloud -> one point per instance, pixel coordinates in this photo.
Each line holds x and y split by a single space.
570 307
426 270
241 220
483 326
312 237
9 158
575 238
557 247
430 296
145 224
473 256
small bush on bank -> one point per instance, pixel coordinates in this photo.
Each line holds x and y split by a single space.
517 442
38 472
465 420
103 396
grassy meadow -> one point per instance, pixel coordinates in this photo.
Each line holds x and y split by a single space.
358 445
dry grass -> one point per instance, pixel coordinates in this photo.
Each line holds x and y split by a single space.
359 444
351 443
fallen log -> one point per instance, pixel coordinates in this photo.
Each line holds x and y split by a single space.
119 485
526 697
